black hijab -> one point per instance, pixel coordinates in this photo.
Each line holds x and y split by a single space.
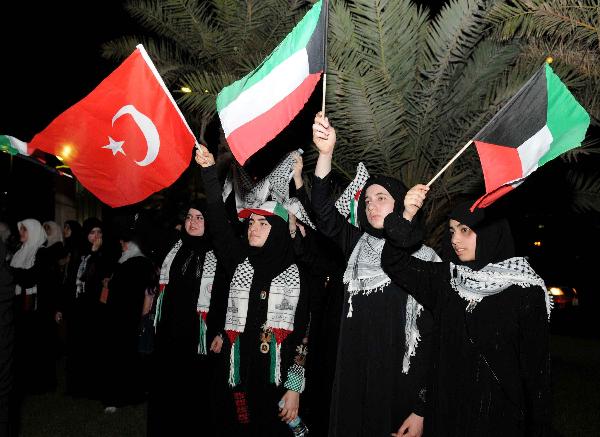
494 238
276 254
196 243
396 189
88 225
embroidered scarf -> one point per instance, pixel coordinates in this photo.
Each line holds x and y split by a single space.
79 284
284 294
364 275
474 285
209 269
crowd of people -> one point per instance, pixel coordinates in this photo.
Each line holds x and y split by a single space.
250 319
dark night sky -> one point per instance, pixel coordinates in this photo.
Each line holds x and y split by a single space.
60 62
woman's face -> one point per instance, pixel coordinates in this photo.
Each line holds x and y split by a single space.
464 241
67 231
194 223
23 234
258 230
95 234
379 203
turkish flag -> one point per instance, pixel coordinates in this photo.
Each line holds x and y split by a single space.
126 139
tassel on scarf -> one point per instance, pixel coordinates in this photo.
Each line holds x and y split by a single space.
202 336
234 361
159 304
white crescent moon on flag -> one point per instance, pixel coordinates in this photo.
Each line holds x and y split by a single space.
148 129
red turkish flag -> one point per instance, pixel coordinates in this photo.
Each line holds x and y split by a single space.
126 139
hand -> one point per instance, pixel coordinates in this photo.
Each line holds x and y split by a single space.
97 244
203 157
216 344
302 230
292 225
323 135
413 201
297 170
412 427
291 401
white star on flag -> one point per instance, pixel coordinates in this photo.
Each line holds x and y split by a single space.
114 146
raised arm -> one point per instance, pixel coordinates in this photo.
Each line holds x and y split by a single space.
426 281
329 221
228 247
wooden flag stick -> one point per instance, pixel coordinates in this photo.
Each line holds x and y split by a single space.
450 162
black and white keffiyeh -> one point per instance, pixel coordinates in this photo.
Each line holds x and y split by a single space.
364 275
474 285
275 186
347 203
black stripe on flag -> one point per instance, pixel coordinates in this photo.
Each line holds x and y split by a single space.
522 117
316 45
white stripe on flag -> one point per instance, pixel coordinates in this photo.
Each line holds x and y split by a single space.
262 96
533 149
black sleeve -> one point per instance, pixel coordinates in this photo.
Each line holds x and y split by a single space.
535 361
218 304
228 247
27 278
328 220
422 279
420 364
293 364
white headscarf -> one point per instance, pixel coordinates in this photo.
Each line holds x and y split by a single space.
132 251
55 233
24 258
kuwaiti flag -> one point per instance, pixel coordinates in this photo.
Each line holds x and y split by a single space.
126 139
256 108
542 121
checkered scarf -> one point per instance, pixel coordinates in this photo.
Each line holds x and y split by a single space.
475 285
284 294
364 275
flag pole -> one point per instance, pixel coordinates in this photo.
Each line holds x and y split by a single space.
450 162
326 5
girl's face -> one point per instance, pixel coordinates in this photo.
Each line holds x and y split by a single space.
67 231
464 241
23 234
258 230
95 234
379 203
194 223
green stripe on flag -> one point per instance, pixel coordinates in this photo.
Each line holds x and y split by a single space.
13 145
296 40
281 211
566 118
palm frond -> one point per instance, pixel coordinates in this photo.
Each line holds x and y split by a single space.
585 190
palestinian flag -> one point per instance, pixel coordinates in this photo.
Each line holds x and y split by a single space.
269 208
256 108
542 121
13 145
